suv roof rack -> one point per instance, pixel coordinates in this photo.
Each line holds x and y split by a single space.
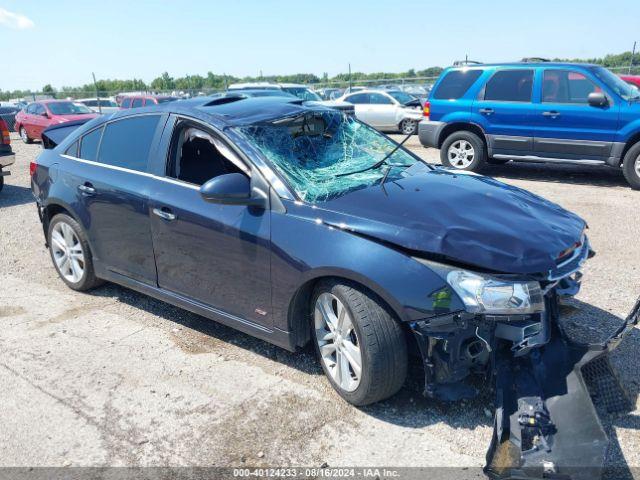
534 60
459 63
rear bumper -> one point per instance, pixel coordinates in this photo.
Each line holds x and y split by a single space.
429 132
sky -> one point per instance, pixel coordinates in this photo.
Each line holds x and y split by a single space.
62 42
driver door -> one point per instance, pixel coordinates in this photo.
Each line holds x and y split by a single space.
217 255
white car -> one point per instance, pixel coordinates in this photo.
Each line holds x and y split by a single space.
107 105
386 110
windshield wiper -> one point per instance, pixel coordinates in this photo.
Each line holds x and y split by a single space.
379 163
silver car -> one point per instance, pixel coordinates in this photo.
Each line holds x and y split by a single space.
388 111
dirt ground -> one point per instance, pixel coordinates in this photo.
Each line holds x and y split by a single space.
113 378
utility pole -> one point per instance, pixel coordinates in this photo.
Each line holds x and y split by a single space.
97 94
633 54
349 76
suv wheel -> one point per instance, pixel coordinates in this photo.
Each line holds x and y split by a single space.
631 166
408 126
361 347
24 136
70 253
463 150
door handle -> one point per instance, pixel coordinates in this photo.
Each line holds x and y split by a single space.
552 114
486 111
164 213
87 189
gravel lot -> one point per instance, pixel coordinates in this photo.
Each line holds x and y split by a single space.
115 378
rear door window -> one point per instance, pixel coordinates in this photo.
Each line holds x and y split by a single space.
149 102
565 86
126 103
137 102
510 86
89 145
126 143
455 84
358 98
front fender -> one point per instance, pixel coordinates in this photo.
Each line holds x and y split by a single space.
304 250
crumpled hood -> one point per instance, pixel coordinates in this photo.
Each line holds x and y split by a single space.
468 218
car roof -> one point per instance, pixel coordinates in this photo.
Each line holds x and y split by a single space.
233 111
524 65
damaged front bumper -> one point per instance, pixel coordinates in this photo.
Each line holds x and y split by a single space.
545 424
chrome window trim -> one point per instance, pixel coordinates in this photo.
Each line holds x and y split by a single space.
135 172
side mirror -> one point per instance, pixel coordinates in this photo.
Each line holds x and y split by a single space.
598 99
44 114
231 189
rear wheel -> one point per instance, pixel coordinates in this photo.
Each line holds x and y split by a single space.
361 347
408 126
24 135
631 166
463 150
1 180
71 254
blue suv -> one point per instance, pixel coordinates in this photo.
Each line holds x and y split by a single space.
535 112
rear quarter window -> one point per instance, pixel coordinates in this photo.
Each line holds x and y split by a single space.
455 84
126 143
89 145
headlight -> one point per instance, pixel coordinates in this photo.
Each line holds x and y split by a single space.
495 296
491 295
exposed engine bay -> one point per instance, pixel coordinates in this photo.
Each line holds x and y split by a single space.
545 422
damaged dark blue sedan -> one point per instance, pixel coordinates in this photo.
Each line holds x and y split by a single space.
298 224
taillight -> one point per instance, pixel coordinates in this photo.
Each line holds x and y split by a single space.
426 110
32 168
4 132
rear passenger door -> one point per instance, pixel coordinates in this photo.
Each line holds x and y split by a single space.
360 103
566 125
381 111
108 170
504 111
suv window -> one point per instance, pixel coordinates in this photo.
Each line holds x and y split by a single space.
455 84
379 99
126 103
198 156
510 86
126 143
89 144
565 86
358 98
137 102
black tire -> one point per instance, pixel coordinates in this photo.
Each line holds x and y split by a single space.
88 280
1 181
381 340
479 155
25 136
408 127
631 166
496 161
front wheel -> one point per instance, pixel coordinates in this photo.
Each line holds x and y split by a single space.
631 166
361 347
408 126
24 135
70 253
463 150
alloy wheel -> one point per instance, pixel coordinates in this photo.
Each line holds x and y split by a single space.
408 127
338 342
68 254
23 135
461 154
637 166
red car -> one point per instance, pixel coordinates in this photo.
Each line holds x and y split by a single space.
632 79
37 116
144 101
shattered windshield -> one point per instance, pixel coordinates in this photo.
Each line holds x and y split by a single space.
321 155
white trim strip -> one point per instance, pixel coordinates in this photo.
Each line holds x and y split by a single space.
135 172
